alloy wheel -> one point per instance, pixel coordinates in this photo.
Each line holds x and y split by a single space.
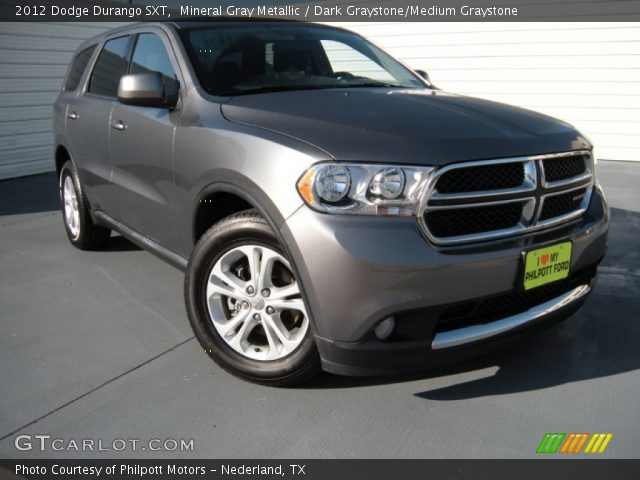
71 212
254 303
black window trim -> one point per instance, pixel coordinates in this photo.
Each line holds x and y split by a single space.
133 40
88 68
86 91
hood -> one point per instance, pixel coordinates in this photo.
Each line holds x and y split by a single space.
404 126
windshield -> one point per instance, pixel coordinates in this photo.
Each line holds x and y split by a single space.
236 59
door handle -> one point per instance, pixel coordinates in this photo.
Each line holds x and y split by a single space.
73 115
118 125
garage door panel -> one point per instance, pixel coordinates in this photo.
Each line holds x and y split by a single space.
597 115
582 35
614 152
382 29
575 76
27 72
33 62
30 57
28 99
30 140
37 112
25 127
550 88
543 62
26 161
597 101
518 50
19 85
600 128
39 43
80 31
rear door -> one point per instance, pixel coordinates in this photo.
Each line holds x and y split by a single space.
88 116
61 114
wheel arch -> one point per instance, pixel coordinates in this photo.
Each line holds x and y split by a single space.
207 211
254 198
62 156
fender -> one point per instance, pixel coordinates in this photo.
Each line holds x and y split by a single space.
96 220
249 192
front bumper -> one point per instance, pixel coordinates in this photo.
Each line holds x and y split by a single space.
357 271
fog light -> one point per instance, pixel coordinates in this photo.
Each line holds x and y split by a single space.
385 328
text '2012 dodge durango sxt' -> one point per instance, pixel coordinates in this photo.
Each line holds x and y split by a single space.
332 208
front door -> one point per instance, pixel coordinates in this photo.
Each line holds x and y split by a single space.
141 143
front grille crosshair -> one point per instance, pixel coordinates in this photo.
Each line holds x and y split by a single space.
483 177
485 200
556 169
467 221
562 204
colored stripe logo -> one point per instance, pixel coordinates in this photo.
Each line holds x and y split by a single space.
573 443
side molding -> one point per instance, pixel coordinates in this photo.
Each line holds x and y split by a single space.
143 242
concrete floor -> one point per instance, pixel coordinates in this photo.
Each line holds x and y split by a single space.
97 345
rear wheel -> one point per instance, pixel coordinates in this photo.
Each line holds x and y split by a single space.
81 230
245 304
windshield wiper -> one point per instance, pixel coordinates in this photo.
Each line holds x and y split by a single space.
278 88
286 88
376 84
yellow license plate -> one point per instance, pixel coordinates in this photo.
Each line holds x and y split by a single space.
546 265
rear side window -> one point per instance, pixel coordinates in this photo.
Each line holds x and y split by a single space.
150 55
78 67
110 67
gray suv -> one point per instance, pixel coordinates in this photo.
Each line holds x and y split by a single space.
332 208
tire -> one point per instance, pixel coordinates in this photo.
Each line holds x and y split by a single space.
262 335
76 216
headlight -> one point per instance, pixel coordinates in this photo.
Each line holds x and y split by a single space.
332 183
388 183
362 189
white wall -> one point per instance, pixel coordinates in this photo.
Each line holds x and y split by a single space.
33 61
585 73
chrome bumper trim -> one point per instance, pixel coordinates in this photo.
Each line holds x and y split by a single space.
474 333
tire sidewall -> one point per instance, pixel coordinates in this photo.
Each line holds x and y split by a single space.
208 251
68 170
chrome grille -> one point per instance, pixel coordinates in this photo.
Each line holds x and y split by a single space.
560 204
476 201
556 169
484 177
466 221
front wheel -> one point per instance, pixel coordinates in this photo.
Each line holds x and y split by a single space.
245 304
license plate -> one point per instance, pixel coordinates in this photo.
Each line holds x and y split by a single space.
546 265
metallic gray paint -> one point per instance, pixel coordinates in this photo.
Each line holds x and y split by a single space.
146 90
149 179
417 126
374 267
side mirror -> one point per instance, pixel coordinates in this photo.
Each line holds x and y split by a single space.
147 90
425 76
